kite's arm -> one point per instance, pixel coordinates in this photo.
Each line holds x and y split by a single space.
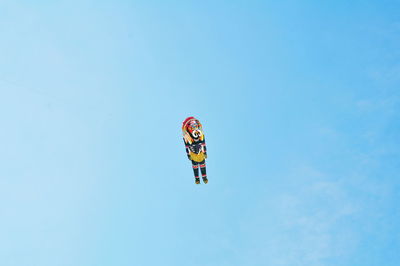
187 149
204 147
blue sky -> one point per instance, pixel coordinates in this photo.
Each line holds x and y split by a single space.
300 105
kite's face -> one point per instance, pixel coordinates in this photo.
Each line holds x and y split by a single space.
194 129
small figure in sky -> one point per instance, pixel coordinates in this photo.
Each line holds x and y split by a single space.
195 144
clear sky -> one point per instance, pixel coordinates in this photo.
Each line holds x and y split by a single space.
299 101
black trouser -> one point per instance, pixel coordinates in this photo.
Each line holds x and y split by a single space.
202 166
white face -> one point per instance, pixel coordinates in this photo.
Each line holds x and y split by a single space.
195 130
196 133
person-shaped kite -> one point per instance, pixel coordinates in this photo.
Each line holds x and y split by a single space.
195 144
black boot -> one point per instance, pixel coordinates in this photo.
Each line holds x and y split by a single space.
205 180
197 180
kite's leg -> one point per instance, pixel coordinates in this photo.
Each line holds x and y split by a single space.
203 171
196 172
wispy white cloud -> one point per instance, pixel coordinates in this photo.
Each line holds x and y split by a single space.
320 220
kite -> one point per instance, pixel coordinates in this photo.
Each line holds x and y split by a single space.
195 145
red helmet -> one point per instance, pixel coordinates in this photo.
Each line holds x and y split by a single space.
191 128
